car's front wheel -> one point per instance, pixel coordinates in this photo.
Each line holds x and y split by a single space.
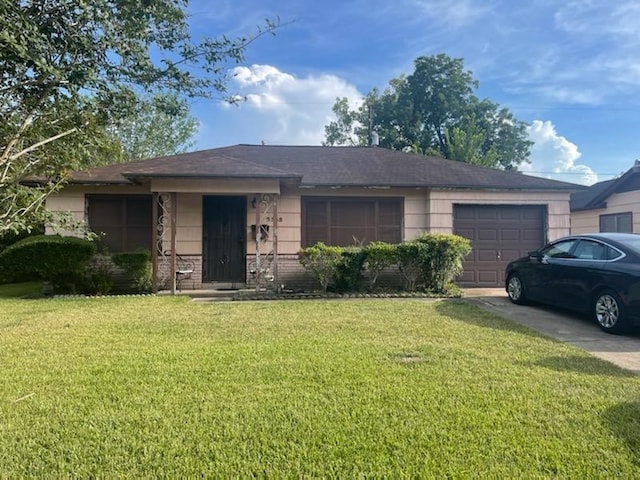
515 289
609 312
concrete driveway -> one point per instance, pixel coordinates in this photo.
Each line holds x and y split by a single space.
577 330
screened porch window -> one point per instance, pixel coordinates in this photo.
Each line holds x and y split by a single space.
351 221
122 221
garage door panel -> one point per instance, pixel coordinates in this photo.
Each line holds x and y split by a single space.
464 213
487 234
487 255
510 230
510 234
531 235
468 277
488 277
510 255
531 214
487 214
509 214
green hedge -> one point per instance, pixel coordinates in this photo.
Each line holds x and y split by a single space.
430 262
137 269
322 261
379 256
442 260
59 260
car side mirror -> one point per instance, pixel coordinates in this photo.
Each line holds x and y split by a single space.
535 254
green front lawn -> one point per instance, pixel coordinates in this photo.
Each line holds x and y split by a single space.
155 386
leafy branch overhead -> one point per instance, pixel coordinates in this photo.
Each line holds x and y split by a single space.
434 111
69 68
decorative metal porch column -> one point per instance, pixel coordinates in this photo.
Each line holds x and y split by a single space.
266 266
163 256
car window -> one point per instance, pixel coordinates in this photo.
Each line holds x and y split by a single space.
612 253
559 249
590 250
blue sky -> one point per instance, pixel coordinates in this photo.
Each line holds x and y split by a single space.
570 69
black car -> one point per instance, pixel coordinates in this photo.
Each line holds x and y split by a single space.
597 274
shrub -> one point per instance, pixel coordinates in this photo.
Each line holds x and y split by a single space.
9 238
348 276
321 260
442 258
99 275
137 269
53 258
379 255
410 257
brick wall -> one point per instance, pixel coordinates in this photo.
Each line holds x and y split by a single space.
187 282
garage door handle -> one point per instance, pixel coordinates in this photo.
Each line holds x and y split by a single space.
498 256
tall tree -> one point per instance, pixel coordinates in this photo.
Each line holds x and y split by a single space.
69 68
161 125
434 111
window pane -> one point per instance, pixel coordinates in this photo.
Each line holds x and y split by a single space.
346 214
624 223
617 222
589 250
316 213
315 235
389 234
559 250
350 221
612 253
124 220
138 212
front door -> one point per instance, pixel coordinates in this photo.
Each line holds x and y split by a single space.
223 230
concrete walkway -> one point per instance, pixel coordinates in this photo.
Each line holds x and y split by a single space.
578 330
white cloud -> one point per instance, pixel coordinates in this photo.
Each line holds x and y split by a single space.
553 156
281 108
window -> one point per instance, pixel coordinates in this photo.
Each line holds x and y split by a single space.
590 250
559 250
122 221
617 222
348 221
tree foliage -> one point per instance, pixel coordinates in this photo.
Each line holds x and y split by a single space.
69 68
434 111
161 125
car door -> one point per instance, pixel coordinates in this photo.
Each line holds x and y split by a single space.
575 280
545 277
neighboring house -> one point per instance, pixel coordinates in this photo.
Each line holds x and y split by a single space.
610 206
223 210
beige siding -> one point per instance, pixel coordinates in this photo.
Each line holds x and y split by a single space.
216 186
588 221
442 202
189 224
289 223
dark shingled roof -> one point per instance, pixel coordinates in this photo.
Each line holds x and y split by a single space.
322 166
596 196
581 200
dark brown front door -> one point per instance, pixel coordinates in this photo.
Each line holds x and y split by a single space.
498 234
224 225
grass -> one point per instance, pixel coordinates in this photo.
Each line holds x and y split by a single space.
381 388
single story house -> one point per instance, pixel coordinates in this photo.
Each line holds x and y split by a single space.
609 206
228 212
